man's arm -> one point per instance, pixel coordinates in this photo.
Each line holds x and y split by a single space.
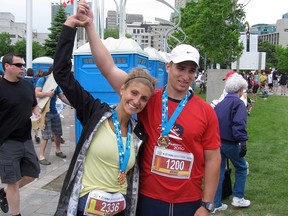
211 173
211 177
101 55
40 94
64 99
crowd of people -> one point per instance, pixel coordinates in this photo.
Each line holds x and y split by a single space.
170 161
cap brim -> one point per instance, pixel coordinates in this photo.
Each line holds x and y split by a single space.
181 59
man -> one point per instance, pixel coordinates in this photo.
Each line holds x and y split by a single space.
52 120
18 159
181 149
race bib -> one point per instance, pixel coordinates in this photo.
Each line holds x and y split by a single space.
173 164
100 203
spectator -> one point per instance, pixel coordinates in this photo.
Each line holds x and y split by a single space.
255 87
275 81
283 83
232 117
270 82
18 160
263 81
30 77
52 120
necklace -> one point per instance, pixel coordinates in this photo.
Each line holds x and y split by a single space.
123 155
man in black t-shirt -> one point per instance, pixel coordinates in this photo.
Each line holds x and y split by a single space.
275 81
18 159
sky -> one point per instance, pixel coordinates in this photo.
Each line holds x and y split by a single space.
257 11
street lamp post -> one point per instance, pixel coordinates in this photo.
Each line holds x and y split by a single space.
121 14
174 27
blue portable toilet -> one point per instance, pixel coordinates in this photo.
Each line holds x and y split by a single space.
43 62
126 53
156 66
1 68
165 57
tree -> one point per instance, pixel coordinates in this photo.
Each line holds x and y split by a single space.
5 43
37 49
51 42
114 33
271 55
213 27
20 48
282 64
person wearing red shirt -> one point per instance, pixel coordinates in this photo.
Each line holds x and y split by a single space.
183 145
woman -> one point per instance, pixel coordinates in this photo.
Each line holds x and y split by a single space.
232 117
103 176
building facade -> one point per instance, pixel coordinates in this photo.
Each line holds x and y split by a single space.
16 30
279 36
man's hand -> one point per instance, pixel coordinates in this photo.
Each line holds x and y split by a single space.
50 93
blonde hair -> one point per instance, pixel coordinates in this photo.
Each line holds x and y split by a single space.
39 73
142 76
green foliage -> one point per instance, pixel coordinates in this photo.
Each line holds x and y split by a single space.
213 27
20 47
114 33
282 54
271 56
37 49
5 43
51 42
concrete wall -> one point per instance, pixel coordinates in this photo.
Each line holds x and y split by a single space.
215 83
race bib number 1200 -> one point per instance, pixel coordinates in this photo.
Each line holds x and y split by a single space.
173 164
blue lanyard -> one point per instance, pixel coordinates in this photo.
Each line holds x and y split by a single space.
123 156
167 125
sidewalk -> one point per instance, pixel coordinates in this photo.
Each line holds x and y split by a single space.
36 199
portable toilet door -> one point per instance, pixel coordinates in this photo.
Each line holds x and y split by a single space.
156 66
165 59
126 54
1 68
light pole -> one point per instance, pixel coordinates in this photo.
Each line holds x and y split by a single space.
29 34
172 24
121 13
174 27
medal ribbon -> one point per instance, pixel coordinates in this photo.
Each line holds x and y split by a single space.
123 156
167 125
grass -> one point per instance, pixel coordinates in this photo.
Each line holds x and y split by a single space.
267 183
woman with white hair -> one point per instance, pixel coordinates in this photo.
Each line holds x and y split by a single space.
232 116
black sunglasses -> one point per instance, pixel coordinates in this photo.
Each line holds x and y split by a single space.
19 65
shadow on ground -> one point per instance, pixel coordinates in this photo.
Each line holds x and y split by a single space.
56 184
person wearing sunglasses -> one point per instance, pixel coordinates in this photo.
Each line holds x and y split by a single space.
18 159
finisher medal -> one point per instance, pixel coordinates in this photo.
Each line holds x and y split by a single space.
163 141
121 178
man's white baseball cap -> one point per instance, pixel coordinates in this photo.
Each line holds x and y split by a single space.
184 52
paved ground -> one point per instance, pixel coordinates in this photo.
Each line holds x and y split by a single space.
40 197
